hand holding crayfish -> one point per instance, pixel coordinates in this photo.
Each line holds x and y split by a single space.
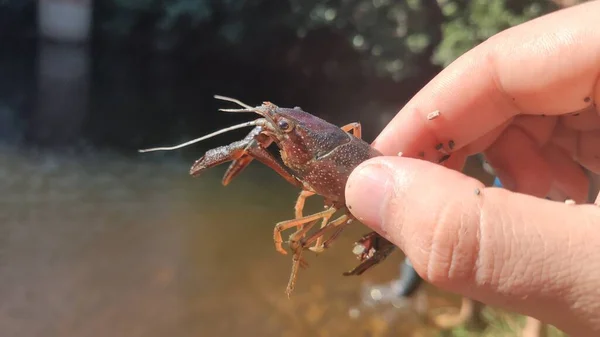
529 99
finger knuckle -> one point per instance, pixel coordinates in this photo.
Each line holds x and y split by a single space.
454 253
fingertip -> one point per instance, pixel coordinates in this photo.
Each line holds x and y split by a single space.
384 188
366 191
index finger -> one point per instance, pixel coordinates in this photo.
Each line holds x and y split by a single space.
550 65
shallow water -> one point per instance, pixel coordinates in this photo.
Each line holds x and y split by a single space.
106 245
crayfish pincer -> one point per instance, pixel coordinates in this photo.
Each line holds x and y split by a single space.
315 156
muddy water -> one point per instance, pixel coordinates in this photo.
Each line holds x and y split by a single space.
105 245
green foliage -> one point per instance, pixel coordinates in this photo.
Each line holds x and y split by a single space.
396 38
468 23
393 36
499 324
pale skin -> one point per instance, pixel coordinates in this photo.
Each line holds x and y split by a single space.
529 99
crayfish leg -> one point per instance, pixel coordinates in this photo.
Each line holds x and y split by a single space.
339 224
332 238
320 245
284 225
299 207
355 128
297 262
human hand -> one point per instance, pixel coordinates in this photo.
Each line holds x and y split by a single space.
527 99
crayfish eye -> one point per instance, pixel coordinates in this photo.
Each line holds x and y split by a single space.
284 125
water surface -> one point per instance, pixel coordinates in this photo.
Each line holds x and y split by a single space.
108 245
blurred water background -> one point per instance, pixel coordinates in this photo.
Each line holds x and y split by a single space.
98 240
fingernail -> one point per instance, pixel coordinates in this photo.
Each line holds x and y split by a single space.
366 192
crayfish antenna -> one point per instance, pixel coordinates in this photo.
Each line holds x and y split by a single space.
233 100
216 133
259 110
238 110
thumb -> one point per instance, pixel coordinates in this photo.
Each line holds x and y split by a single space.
531 255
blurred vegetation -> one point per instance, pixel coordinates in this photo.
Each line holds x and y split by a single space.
394 38
499 324
468 23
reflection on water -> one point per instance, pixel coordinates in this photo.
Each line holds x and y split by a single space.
102 245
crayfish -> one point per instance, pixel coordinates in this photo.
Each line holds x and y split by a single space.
315 156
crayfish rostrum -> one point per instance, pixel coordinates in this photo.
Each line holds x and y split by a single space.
317 157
